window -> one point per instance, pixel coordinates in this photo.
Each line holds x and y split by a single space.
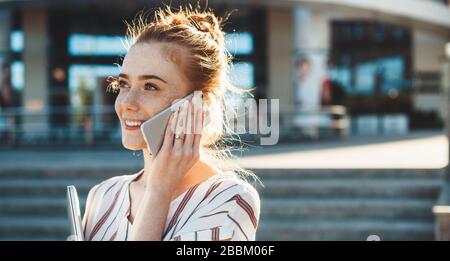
96 45
392 69
17 75
85 78
242 75
365 78
239 43
16 41
242 71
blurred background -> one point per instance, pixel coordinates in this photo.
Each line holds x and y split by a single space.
363 92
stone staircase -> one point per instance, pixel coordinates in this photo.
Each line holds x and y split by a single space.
348 204
296 204
33 202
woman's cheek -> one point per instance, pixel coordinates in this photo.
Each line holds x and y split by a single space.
117 103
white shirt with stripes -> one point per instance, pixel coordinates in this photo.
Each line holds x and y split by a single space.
223 207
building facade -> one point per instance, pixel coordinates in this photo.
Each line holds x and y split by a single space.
378 62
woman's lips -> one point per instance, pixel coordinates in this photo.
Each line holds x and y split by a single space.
132 124
132 127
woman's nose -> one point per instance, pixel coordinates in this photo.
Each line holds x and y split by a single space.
130 101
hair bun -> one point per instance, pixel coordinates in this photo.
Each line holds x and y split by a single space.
207 23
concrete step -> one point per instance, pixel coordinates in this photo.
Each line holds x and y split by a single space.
29 228
417 188
79 173
361 174
354 230
102 173
45 187
268 229
282 210
37 207
296 204
28 238
346 208
399 188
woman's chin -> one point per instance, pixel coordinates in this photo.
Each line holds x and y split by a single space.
133 145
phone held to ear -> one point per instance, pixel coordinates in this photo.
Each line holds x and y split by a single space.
154 128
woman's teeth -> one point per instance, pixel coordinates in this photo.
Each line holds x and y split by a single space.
133 123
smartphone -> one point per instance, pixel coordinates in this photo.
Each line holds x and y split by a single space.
73 210
154 128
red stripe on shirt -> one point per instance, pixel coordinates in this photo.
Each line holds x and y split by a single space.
208 192
211 189
215 234
113 236
247 207
104 217
180 208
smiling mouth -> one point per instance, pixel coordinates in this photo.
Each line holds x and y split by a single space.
133 123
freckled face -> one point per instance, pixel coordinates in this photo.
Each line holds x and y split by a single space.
150 80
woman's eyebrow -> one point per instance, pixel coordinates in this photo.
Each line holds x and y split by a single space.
122 75
143 77
149 77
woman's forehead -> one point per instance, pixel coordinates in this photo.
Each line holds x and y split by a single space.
164 60
145 58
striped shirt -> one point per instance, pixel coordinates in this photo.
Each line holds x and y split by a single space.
222 207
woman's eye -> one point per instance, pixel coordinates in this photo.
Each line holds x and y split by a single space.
123 84
150 87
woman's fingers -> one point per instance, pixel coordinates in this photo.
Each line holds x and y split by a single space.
198 130
184 136
181 127
189 138
173 126
198 104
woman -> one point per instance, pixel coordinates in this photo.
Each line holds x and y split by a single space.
185 192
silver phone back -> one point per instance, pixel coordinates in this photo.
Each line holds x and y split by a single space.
154 129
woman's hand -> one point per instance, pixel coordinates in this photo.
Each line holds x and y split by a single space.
180 149
175 158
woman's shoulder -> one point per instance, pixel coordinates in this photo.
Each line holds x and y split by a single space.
230 200
229 186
